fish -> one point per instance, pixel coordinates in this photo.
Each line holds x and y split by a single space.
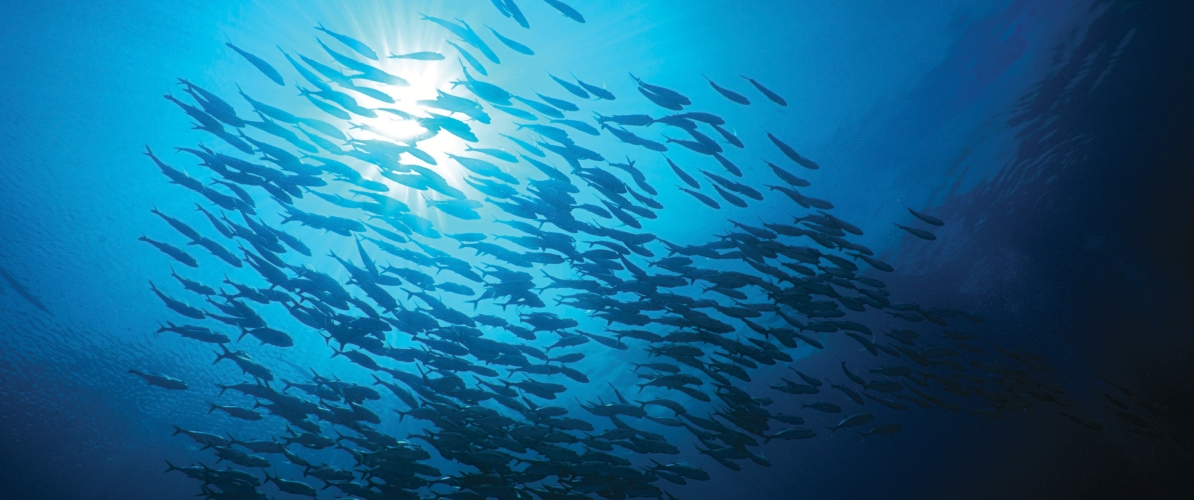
919 233
323 105
734 200
177 305
525 146
419 56
174 252
566 10
472 61
540 107
516 13
237 412
1089 424
578 125
791 153
496 153
500 5
259 63
486 91
688 322
163 381
515 112
212 104
882 430
702 198
352 43
513 45
311 78
767 92
688 179
597 92
728 94
823 407
928 219
791 433
364 71
663 93
570 87
558 103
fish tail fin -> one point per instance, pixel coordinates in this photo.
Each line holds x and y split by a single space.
177 430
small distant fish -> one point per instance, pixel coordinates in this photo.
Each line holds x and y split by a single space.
173 251
882 430
472 61
688 179
823 407
352 43
734 200
703 199
570 87
928 219
496 153
517 113
467 237
664 97
767 92
559 103
419 56
236 412
919 233
260 63
792 433
22 291
177 305
163 381
853 421
540 107
526 146
599 92
515 46
786 176
1089 424
579 125
728 165
627 120
729 94
791 153
567 10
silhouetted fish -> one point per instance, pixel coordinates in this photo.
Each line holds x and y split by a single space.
260 64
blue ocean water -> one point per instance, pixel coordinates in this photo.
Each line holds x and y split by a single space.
1049 137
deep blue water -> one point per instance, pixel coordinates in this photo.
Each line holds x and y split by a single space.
1051 137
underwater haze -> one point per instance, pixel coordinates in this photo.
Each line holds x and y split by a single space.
567 249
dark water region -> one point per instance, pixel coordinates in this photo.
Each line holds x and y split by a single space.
1053 141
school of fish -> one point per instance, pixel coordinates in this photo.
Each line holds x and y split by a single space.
470 338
